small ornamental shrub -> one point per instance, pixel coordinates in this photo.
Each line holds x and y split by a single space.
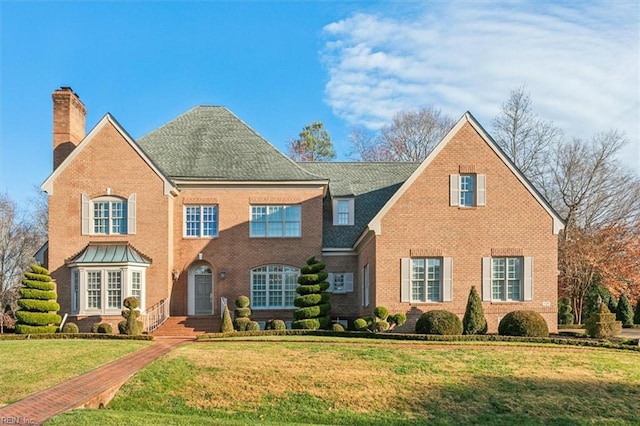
252 326
523 323
242 302
565 316
131 326
102 328
439 322
336 326
313 301
227 323
243 312
240 324
275 324
474 321
624 313
360 324
636 316
37 302
396 320
602 324
380 322
381 312
71 328
94 327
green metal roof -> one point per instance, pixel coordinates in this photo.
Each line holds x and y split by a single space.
211 143
110 253
370 184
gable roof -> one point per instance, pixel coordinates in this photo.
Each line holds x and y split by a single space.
209 143
47 185
370 184
376 223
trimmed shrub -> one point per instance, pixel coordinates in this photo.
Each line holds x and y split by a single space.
602 324
240 324
227 323
439 322
32 293
524 324
252 326
243 312
360 324
94 327
242 302
624 313
396 320
474 321
380 326
565 316
131 326
313 304
71 328
612 304
311 299
309 289
275 324
102 328
312 311
380 321
336 326
37 318
381 312
636 316
38 306
35 329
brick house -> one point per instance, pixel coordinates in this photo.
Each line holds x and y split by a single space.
203 210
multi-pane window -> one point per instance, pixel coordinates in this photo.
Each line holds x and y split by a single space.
506 278
426 278
275 221
338 283
136 284
274 286
94 290
104 289
201 221
110 217
114 289
343 212
75 291
467 187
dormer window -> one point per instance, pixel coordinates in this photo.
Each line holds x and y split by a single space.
108 215
343 211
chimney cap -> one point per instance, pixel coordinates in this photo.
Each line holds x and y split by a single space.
67 89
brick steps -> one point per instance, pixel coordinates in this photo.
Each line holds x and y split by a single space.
188 326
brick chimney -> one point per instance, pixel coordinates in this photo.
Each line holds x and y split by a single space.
68 123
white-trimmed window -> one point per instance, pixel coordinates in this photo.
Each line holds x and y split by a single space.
343 211
467 190
426 279
276 221
340 282
274 287
201 221
507 279
108 215
101 291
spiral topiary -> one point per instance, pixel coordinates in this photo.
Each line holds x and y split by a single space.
38 306
131 326
242 313
313 300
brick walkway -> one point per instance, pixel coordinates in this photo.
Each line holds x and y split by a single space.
89 390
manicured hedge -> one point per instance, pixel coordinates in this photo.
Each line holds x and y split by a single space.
523 323
439 322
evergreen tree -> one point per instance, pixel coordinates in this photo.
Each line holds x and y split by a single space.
313 300
612 304
565 316
636 317
313 144
227 323
624 313
37 302
474 321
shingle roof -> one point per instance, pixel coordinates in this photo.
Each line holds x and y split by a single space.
371 185
211 143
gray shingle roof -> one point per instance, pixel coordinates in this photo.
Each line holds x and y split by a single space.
211 143
371 185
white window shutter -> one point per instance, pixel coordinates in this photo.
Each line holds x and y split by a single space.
131 214
481 183
447 279
486 279
348 282
86 215
405 279
454 190
334 204
528 278
330 278
352 211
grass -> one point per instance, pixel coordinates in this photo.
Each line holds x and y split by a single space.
376 383
29 366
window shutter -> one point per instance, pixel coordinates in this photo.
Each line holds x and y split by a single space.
528 278
481 199
86 215
131 214
352 212
454 190
348 282
330 278
405 279
334 204
447 279
486 279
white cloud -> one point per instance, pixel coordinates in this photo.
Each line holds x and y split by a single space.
580 62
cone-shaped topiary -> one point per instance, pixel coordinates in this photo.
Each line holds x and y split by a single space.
474 321
313 302
131 326
624 312
38 306
227 323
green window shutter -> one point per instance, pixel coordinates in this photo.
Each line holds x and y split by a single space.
528 278
86 215
131 214
454 190
481 186
447 279
486 279
405 279
348 282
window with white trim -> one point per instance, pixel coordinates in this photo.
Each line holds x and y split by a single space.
467 190
201 221
101 290
108 215
343 211
426 279
275 221
507 279
274 286
340 282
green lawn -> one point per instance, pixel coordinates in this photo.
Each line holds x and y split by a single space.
28 366
376 383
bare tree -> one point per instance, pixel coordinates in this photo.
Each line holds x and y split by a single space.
313 144
410 136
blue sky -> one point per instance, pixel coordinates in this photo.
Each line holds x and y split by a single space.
281 65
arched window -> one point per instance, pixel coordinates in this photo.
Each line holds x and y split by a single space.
108 215
274 286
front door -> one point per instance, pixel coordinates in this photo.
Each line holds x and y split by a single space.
203 294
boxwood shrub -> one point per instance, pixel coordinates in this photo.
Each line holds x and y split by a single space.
275 324
524 324
439 322
70 327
